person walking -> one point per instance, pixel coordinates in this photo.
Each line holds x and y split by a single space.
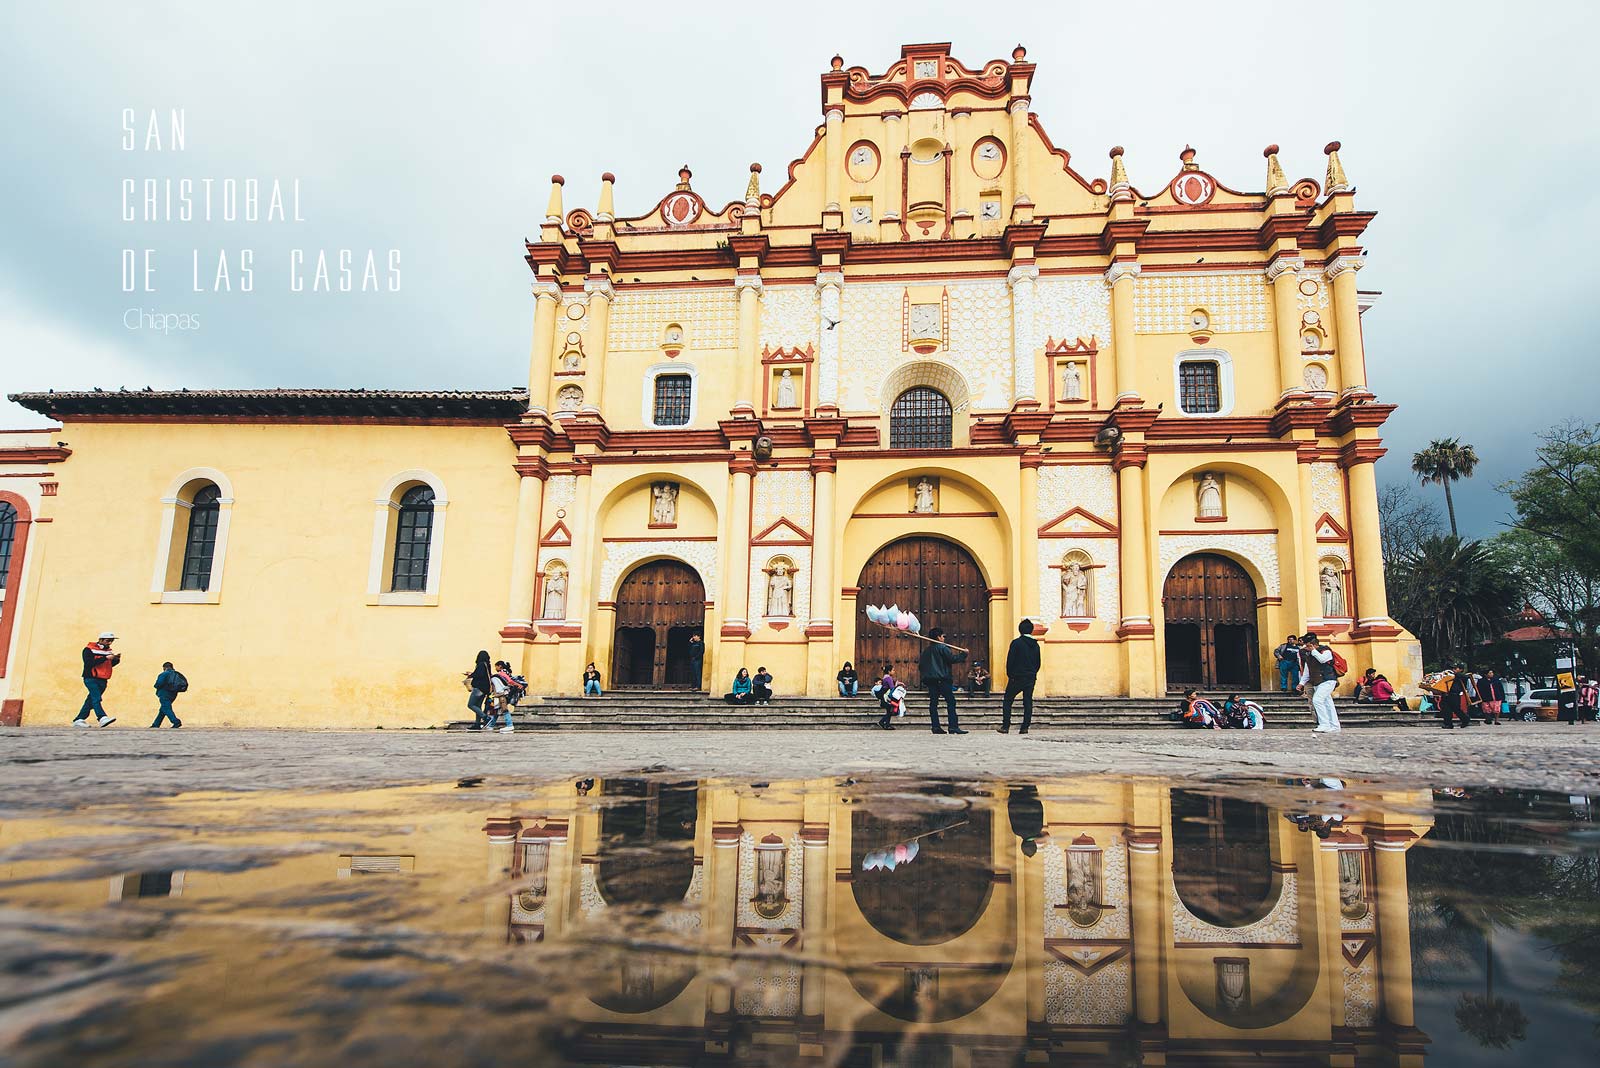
591 681
1288 658
169 684
98 663
1588 699
477 680
934 665
697 660
886 692
1459 699
1022 672
1324 680
849 684
1492 690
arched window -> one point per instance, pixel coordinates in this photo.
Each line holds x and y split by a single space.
8 536
413 537
200 547
920 419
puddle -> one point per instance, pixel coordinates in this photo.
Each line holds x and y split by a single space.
1076 921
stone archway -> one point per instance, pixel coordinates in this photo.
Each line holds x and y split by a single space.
661 604
939 581
1209 606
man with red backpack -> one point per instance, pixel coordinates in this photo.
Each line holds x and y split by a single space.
98 660
1326 667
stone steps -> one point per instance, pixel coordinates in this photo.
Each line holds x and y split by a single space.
689 711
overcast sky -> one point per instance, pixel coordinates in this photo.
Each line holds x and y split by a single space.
433 129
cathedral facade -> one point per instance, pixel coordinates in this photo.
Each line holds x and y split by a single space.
938 364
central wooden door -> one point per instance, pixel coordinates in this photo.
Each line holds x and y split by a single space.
941 583
1210 608
660 605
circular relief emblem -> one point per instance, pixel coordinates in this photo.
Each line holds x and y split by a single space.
1309 286
988 158
574 311
681 209
1193 188
862 162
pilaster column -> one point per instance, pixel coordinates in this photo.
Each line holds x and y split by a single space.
816 879
736 581
747 386
1366 544
833 145
586 552
599 290
1021 279
1019 151
1146 899
525 549
1125 368
1308 587
891 171
830 291
1347 322
1394 932
822 581
1137 630
559 877
724 890
1283 274
547 297
497 906
1030 598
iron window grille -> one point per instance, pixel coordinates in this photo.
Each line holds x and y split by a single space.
673 396
1199 391
200 547
8 535
413 537
920 419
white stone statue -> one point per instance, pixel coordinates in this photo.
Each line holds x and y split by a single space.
1074 591
926 321
786 390
571 360
1210 497
555 595
924 496
664 504
569 398
1071 383
779 588
1332 593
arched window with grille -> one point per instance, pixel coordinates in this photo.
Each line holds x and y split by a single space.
200 544
8 537
921 418
413 539
14 523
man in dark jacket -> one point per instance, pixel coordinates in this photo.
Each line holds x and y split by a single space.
697 660
1027 817
1022 671
98 662
169 684
936 676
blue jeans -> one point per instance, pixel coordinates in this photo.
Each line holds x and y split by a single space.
91 703
947 687
165 700
475 706
848 689
1288 675
592 686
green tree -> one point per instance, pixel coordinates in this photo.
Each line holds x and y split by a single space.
1445 461
1453 595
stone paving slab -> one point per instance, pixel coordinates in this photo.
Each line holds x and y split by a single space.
67 769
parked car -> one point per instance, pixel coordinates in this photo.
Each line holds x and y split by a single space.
1539 704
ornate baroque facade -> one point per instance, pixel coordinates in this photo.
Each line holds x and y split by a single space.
937 362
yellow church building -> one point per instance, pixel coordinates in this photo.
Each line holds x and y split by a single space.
936 365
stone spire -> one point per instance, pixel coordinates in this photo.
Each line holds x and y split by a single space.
606 210
553 212
752 192
1337 182
1277 184
684 174
1120 187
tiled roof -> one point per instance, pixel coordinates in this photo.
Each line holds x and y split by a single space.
490 404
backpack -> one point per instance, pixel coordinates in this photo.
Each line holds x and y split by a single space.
180 684
1339 665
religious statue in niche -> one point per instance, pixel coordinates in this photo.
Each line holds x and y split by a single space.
1074 590
1209 498
1352 885
1084 881
664 504
535 869
569 398
1233 985
1332 592
555 593
1316 378
572 355
926 321
772 870
922 496
1071 382
780 591
786 394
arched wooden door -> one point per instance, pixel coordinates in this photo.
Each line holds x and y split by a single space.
941 583
659 607
1210 608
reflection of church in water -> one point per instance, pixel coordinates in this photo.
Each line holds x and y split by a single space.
1072 922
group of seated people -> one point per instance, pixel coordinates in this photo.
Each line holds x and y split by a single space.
978 679
750 689
1236 714
1373 688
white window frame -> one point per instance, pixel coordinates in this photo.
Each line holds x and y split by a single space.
171 502
647 410
1224 364
386 509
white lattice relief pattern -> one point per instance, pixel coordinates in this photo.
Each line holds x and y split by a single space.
1235 301
761 557
772 992
1260 549
1281 926
980 340
1102 998
559 492
622 555
1361 993
684 920
1071 308
789 316
781 495
1113 922
709 317
565 324
1106 576
1327 492
1337 552
793 882
1318 301
869 329
590 903
1092 487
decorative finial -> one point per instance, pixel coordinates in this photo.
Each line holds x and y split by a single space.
605 211
1337 182
553 211
684 174
837 63
1187 155
752 192
1120 187
1018 54
1277 184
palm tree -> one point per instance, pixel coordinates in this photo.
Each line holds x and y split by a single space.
1494 1022
1453 594
1445 461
